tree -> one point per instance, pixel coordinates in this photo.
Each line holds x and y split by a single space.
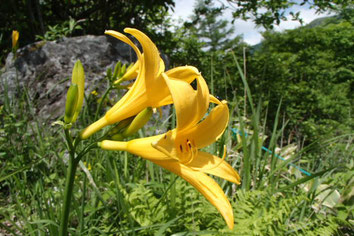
33 17
275 11
312 70
205 41
206 24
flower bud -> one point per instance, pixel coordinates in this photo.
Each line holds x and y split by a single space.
132 73
124 69
139 121
78 77
71 103
117 70
109 73
120 126
117 137
15 36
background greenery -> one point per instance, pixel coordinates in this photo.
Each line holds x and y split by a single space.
293 94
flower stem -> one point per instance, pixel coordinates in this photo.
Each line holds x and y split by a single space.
69 184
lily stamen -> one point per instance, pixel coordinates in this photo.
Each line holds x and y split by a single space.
192 150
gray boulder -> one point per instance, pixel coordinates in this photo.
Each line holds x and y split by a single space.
44 68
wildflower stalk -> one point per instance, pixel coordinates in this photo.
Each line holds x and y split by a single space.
69 184
74 101
74 160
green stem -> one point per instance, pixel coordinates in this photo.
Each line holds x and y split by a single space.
69 184
82 207
70 177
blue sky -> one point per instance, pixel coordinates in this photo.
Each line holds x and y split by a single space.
252 35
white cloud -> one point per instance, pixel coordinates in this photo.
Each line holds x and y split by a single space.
307 16
251 34
182 10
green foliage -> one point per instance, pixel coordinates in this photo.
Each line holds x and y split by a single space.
312 70
52 19
117 193
205 42
344 182
61 30
28 167
205 25
260 213
270 12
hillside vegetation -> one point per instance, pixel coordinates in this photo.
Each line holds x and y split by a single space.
289 134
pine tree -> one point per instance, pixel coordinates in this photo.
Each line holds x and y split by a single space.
206 24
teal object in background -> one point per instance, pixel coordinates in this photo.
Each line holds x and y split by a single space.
236 131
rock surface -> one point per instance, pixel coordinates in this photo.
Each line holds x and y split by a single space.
44 68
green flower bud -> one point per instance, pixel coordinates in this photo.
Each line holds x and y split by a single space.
120 126
117 137
116 70
109 73
71 103
78 77
123 70
139 121
127 73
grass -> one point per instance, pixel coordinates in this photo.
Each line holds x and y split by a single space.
116 193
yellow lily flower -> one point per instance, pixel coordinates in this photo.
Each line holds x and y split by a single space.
149 89
178 149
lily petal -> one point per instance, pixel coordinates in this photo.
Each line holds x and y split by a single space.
140 147
150 66
147 91
132 73
214 165
205 185
214 99
188 111
211 128
167 144
125 39
112 116
184 103
202 99
162 67
186 73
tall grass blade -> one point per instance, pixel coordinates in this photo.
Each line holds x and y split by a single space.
303 180
29 166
